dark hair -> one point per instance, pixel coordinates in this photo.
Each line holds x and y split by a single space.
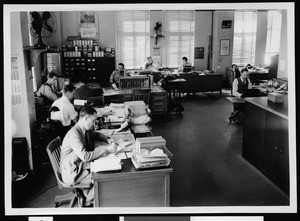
51 75
87 111
184 58
68 87
233 65
121 64
244 69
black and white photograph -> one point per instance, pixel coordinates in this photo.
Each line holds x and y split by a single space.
115 109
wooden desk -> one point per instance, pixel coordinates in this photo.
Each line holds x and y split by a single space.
175 85
265 139
132 188
158 98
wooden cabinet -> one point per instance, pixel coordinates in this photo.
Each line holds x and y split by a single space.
265 139
275 155
92 69
254 134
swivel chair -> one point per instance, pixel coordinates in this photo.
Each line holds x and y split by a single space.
53 150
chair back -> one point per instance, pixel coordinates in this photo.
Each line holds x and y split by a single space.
142 95
53 151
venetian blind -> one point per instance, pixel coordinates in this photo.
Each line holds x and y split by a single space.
133 41
178 30
273 34
244 40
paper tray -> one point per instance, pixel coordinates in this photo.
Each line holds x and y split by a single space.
165 161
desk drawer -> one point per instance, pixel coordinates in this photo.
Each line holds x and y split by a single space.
127 97
159 97
159 108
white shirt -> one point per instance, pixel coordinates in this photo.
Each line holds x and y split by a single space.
66 111
153 66
235 87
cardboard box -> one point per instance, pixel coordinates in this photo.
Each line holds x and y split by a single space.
275 97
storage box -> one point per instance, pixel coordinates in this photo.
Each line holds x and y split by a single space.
275 97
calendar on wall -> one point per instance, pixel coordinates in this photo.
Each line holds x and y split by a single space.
16 98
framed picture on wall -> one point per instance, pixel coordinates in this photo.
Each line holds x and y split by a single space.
224 47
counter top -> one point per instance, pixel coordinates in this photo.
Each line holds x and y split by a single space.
280 109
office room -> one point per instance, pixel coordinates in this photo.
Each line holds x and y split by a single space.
216 146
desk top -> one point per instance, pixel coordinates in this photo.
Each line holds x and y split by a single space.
109 91
128 170
280 109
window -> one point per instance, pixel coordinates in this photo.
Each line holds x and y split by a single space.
244 37
133 38
273 35
178 30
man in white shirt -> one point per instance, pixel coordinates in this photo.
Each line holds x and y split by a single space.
66 113
240 84
150 65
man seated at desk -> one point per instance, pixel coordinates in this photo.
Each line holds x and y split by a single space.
116 74
76 154
242 87
150 65
47 90
64 111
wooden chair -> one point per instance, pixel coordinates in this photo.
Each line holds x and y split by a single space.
142 95
53 150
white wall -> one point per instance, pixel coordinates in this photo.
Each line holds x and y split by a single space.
220 63
22 114
261 37
283 55
203 24
107 29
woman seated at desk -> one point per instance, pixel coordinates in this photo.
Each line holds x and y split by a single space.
184 65
116 74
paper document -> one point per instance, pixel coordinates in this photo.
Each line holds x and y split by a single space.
106 132
122 143
106 164
80 102
116 105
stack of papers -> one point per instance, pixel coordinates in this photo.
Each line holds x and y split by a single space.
141 129
106 164
115 119
104 111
